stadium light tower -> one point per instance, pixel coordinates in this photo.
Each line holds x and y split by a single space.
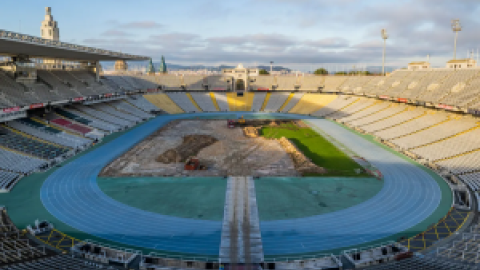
456 27
271 67
384 37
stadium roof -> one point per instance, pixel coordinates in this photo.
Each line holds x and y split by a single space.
12 44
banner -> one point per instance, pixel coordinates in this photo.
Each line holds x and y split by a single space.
384 97
263 89
403 100
78 99
445 107
108 95
36 106
13 109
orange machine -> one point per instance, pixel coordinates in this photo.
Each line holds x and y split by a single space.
193 164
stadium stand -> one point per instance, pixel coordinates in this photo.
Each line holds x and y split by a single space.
353 84
84 119
204 101
276 101
121 82
311 83
92 113
141 103
362 104
193 83
322 262
64 90
339 103
332 83
457 145
222 101
395 114
448 140
424 263
108 108
17 162
310 103
38 130
20 142
57 262
169 82
357 118
389 83
127 108
147 82
286 83
291 101
258 101
454 83
219 83
262 83
183 102
410 80
240 102
8 180
14 247
436 133
163 102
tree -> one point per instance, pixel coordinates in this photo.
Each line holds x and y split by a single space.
321 71
364 73
263 72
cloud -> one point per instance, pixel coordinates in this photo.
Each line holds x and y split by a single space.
142 25
304 31
115 33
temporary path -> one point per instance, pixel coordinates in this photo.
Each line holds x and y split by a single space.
241 240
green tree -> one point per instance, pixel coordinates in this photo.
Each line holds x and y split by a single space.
321 71
263 72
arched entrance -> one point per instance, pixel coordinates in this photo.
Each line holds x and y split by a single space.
240 85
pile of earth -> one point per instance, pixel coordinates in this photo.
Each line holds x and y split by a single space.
191 146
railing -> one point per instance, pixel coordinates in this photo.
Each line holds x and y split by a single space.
63 45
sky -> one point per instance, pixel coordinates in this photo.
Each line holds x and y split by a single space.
300 34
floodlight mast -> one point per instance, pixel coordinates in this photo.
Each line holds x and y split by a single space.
384 37
271 67
456 27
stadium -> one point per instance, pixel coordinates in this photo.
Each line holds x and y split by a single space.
237 170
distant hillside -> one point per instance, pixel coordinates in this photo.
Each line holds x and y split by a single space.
142 66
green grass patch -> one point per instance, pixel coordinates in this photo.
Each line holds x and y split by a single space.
317 148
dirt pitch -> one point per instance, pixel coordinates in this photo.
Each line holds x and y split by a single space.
232 153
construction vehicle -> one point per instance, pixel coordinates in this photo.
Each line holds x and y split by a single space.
234 123
193 164
241 121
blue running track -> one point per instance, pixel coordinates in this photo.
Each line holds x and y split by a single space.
72 195
409 196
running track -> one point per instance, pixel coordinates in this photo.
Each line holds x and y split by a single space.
72 195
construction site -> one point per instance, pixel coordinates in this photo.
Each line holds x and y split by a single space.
213 148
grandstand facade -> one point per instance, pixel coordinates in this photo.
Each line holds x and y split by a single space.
61 124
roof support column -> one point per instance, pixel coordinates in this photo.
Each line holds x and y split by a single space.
97 71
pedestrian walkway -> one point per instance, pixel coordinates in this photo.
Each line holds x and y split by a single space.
241 241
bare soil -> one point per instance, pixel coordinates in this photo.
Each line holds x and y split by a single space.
224 151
